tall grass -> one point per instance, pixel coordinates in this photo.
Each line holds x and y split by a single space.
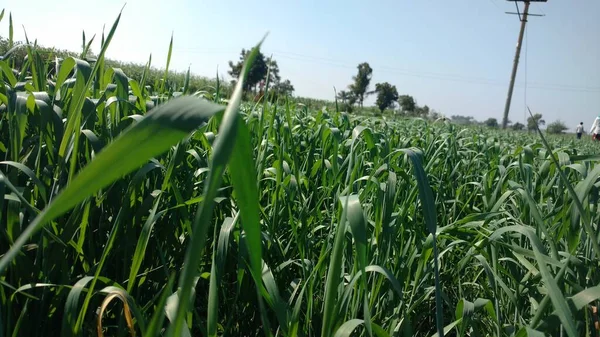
126 209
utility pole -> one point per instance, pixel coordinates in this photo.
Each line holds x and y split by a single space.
523 19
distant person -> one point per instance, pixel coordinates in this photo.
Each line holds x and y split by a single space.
595 130
579 130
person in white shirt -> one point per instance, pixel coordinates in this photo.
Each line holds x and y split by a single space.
579 130
595 130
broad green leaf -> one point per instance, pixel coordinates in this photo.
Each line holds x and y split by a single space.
221 155
158 131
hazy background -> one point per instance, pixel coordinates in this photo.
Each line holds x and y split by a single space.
455 56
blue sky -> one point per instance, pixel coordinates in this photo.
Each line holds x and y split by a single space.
455 56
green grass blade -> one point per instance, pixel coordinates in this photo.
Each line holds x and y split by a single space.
166 75
556 296
186 82
243 178
221 155
40 185
72 306
430 214
158 131
10 31
358 227
217 268
584 215
158 317
142 244
347 329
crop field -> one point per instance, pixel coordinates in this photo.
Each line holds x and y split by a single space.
135 208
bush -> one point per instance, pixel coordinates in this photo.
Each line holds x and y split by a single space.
556 127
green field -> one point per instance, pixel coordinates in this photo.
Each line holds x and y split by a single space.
120 197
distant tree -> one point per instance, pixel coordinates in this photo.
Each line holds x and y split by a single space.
532 121
421 111
386 95
424 111
518 126
556 127
284 88
463 120
361 82
346 100
257 72
433 114
491 123
273 70
407 104
346 97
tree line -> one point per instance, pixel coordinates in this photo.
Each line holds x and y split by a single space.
556 127
263 69
264 76
387 95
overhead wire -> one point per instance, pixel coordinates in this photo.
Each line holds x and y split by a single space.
539 8
494 3
403 72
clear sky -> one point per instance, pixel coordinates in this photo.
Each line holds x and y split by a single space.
455 56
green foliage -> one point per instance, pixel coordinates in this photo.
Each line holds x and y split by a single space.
283 88
344 225
258 71
518 126
347 99
463 120
153 77
263 75
424 111
556 127
535 120
408 105
491 123
361 83
387 94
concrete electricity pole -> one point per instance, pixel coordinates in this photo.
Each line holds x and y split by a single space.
511 86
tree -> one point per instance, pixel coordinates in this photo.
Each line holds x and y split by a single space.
361 82
532 121
386 95
284 88
273 70
424 111
463 120
556 127
257 72
491 123
407 104
346 97
421 111
347 100
518 126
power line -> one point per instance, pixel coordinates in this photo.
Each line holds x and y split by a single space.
404 72
539 8
343 64
495 4
430 75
